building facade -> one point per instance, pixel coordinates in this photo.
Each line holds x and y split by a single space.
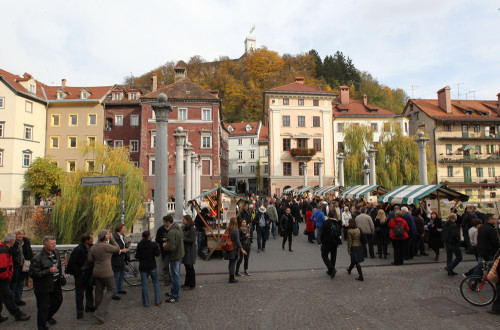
464 142
263 183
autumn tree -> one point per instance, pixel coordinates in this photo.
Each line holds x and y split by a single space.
82 209
357 140
263 67
43 177
381 95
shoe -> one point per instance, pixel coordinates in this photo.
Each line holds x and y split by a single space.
99 317
465 275
348 271
247 273
51 321
360 278
79 316
232 280
168 294
122 292
23 317
452 273
171 300
188 288
90 310
116 298
258 251
158 304
3 318
491 311
290 250
263 250
20 303
274 237
329 272
237 274
332 275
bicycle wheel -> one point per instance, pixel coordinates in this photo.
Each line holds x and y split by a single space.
477 290
132 275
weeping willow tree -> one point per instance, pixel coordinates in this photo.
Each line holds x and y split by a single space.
88 209
357 140
397 159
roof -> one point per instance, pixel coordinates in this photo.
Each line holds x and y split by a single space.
361 190
239 128
296 87
73 93
479 110
126 89
13 80
358 108
183 89
325 190
413 194
264 134
222 189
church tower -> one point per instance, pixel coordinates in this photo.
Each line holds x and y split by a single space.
250 44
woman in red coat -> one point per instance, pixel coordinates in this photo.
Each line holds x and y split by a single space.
309 224
399 243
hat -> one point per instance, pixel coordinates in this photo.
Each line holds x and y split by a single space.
262 209
102 233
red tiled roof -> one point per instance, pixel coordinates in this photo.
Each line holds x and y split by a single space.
126 89
356 107
13 80
183 89
73 93
264 134
299 88
239 128
479 110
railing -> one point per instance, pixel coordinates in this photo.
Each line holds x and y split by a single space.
149 208
462 179
472 158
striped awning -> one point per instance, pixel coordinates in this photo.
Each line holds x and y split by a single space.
303 190
413 194
289 190
322 191
358 191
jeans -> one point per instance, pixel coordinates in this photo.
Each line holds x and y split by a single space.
478 270
273 226
175 272
369 238
261 237
318 233
166 270
240 260
102 300
156 286
329 262
83 286
17 286
190 280
202 242
450 251
47 304
7 299
119 281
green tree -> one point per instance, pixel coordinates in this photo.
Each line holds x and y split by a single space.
43 177
381 95
88 209
357 140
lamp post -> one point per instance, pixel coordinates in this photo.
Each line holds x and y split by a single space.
320 169
193 175
373 170
304 170
341 158
180 139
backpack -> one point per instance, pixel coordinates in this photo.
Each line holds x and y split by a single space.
335 232
399 231
226 243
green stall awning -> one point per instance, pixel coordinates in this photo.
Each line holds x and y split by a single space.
303 190
413 194
289 190
322 191
358 191
224 190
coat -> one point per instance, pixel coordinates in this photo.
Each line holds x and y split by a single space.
43 279
235 238
365 223
435 228
381 230
6 266
487 240
161 233
353 238
175 243
190 236
118 259
392 226
78 257
309 223
146 253
286 223
100 254
451 235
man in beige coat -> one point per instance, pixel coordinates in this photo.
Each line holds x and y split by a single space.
365 223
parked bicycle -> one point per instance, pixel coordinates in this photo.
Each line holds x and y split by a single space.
132 274
477 289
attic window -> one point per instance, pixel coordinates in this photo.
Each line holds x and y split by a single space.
132 96
343 111
188 92
468 113
248 128
84 95
230 129
117 96
60 95
32 88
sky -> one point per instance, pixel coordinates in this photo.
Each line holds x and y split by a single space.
417 45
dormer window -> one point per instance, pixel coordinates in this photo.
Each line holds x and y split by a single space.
248 128
32 88
117 96
84 95
132 96
60 95
230 129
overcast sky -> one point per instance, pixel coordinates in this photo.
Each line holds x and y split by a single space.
403 43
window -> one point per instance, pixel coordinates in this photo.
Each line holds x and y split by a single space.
316 169
266 152
286 144
286 101
153 139
406 127
316 103
1 157
468 192
488 149
287 168
60 95
90 165
117 96
206 114
2 102
301 169
301 101
84 95
479 172
374 127
92 120
240 169
252 141
72 142
118 143
2 127
482 194
28 132
449 149
134 145
73 120
91 140
132 96
252 154
119 120
301 143
416 115
182 115
108 143
478 149
136 164
32 88
54 142
316 121
477 128
28 106
240 154
286 121
447 128
26 158
317 144
340 127
152 167
266 168
450 171
134 120
252 168
206 141
71 165
491 171
54 121
301 121
240 142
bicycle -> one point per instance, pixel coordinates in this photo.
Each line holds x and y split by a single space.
132 274
477 289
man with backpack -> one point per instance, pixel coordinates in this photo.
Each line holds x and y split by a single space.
399 235
330 237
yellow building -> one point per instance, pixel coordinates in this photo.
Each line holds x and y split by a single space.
264 161
22 134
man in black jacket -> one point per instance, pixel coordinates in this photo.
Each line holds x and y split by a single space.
46 272
330 239
81 269
286 223
487 241
161 237
119 259
451 239
466 224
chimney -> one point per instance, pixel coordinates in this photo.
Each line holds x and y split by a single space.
365 99
444 100
154 85
180 73
63 83
344 95
299 80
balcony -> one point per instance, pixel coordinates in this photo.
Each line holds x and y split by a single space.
472 158
303 154
469 181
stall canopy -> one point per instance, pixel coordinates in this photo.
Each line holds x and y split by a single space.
303 190
414 194
360 191
322 191
224 190
289 190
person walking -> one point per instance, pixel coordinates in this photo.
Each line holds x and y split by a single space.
355 249
487 242
100 255
245 244
146 253
346 216
399 235
412 233
81 269
161 238
189 258
46 272
435 227
331 232
262 220
318 217
119 259
174 247
365 224
272 213
381 233
286 223
6 271
200 230
21 259
309 224
232 255
451 239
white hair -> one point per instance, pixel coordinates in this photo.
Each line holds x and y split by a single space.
404 209
9 237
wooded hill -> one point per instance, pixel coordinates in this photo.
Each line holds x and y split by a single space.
241 82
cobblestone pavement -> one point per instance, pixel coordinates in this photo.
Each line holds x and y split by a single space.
292 291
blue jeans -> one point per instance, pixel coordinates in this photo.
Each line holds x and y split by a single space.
450 251
17 287
261 237
156 286
318 231
175 273
119 281
273 222
202 237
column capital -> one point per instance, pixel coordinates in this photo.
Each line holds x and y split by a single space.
180 137
421 139
162 110
371 150
340 156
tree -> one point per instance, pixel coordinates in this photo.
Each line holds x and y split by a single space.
88 209
357 140
263 67
381 95
43 177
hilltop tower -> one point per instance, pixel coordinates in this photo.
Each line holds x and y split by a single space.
250 44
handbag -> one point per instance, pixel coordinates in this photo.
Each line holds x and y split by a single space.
362 237
26 266
493 274
62 280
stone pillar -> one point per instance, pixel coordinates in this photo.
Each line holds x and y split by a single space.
304 169
162 109
198 188
373 169
188 150
180 139
422 157
320 169
341 159
366 177
194 193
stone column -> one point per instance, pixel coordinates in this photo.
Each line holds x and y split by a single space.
180 139
188 150
373 169
320 169
194 193
422 157
341 159
198 188
162 109
305 173
366 173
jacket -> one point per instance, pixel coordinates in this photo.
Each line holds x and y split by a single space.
353 238
43 279
235 238
286 223
327 238
189 246
392 225
78 257
161 233
272 213
6 266
118 259
100 254
257 219
244 240
450 233
487 240
27 251
146 252
365 223
411 224
175 243
309 223
318 218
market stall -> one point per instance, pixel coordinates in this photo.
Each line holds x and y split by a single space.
290 190
359 192
325 190
303 190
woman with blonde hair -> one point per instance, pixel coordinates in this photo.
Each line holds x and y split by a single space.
381 233
21 258
232 255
